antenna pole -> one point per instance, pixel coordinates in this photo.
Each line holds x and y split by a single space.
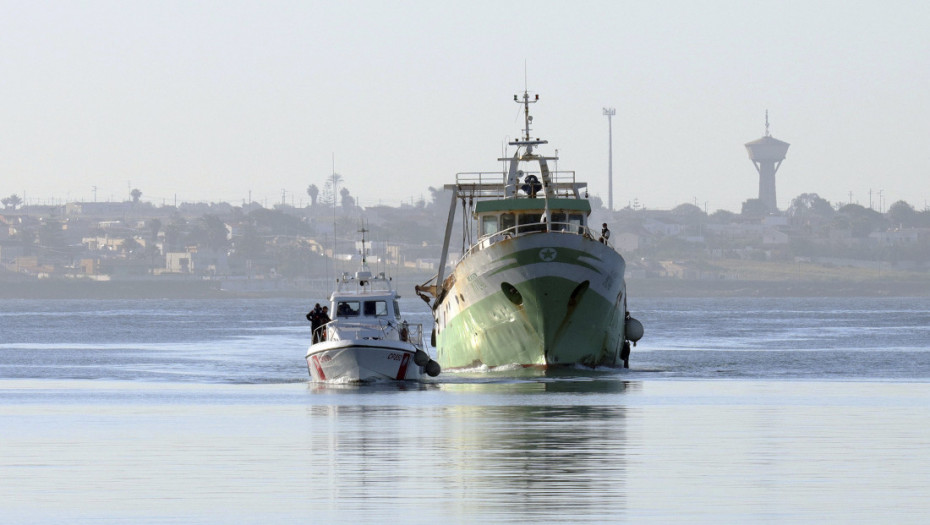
363 231
334 214
526 111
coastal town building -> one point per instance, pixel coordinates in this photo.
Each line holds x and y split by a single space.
222 242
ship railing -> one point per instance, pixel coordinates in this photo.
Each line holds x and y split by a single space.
376 283
340 330
356 287
481 184
494 184
526 229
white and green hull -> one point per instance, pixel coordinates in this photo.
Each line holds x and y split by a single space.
541 299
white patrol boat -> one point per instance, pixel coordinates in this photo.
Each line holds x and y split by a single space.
367 340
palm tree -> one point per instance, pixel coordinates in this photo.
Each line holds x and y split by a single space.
347 202
154 226
11 202
331 188
313 192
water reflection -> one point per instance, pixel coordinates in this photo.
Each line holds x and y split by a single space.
584 386
464 452
377 387
557 381
534 462
533 459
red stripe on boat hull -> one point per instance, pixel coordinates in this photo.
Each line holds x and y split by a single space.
402 371
319 369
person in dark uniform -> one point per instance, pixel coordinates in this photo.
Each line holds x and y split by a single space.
314 317
324 318
531 186
605 234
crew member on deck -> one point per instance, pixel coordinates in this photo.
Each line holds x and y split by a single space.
314 318
324 318
531 186
605 234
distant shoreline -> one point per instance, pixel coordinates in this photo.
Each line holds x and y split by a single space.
646 288
119 289
740 288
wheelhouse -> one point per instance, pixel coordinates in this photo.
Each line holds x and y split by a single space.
365 298
527 215
366 309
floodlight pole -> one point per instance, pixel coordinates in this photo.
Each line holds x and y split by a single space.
609 113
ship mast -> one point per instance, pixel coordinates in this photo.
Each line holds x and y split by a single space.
363 231
529 155
526 112
527 120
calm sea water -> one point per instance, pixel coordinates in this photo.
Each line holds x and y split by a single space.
734 410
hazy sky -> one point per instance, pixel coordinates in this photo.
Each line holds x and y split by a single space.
207 101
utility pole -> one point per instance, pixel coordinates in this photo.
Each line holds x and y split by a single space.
609 113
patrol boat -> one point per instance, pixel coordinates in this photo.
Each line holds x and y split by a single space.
535 285
367 340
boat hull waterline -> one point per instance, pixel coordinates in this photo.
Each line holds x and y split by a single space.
362 361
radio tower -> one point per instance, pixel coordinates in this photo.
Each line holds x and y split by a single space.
766 155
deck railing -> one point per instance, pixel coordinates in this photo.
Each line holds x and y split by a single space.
527 229
493 184
340 330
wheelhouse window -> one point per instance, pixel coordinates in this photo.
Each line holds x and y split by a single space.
576 221
396 310
530 222
558 221
488 224
348 308
376 308
507 221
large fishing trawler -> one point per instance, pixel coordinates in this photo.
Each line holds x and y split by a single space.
535 286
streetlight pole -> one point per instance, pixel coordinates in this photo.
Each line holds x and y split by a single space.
609 113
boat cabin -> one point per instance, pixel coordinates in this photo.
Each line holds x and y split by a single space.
518 216
365 299
359 308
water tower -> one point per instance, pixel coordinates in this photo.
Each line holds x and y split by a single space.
766 155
